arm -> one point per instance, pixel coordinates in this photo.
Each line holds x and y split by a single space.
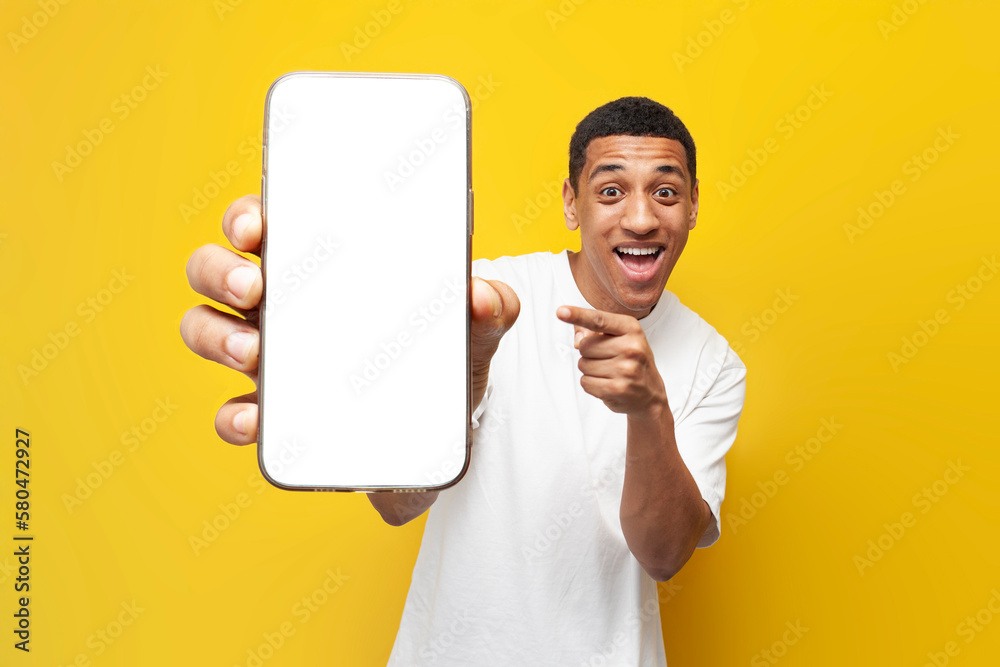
397 509
663 514
495 308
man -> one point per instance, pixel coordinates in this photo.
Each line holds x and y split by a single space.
602 421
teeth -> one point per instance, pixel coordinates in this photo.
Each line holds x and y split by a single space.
638 251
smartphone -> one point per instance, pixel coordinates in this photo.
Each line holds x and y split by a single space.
364 380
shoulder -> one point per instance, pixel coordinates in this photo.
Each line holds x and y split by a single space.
683 324
532 269
697 358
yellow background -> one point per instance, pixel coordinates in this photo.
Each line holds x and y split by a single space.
895 74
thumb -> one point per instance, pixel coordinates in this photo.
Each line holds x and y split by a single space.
495 308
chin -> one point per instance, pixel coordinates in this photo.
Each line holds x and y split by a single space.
645 295
640 303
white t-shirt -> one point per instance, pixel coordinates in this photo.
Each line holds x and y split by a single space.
523 561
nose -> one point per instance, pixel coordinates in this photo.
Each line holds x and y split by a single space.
639 217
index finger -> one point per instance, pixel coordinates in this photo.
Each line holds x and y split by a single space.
243 224
596 320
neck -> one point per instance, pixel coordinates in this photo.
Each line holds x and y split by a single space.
592 292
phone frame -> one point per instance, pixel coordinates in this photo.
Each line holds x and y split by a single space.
468 279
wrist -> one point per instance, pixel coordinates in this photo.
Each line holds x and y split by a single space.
482 356
655 412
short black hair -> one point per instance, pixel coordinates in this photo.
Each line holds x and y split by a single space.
628 116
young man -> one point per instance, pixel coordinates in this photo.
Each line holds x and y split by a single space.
603 419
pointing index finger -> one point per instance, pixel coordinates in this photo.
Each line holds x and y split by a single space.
594 320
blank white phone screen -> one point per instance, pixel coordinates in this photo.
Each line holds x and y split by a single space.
364 354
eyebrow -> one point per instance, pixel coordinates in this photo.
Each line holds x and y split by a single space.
663 169
603 168
671 169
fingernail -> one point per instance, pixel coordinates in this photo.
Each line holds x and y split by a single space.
497 305
240 422
577 337
237 345
240 225
240 279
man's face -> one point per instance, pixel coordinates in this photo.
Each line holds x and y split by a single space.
634 207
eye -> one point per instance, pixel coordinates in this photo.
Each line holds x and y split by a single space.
666 192
611 192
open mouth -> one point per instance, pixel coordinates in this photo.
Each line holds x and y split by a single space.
640 263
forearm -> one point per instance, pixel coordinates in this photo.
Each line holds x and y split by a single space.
662 512
482 357
399 508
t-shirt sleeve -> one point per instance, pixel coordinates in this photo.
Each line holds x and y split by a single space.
706 434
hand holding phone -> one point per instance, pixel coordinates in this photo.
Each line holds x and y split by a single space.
365 350
233 280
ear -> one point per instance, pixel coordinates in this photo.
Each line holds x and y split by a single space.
569 206
693 216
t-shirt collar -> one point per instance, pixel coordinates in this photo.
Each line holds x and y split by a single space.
574 297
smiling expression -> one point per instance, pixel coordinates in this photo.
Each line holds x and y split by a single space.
634 207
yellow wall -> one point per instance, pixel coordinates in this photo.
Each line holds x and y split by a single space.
882 365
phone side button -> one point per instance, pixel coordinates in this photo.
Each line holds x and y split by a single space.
472 223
